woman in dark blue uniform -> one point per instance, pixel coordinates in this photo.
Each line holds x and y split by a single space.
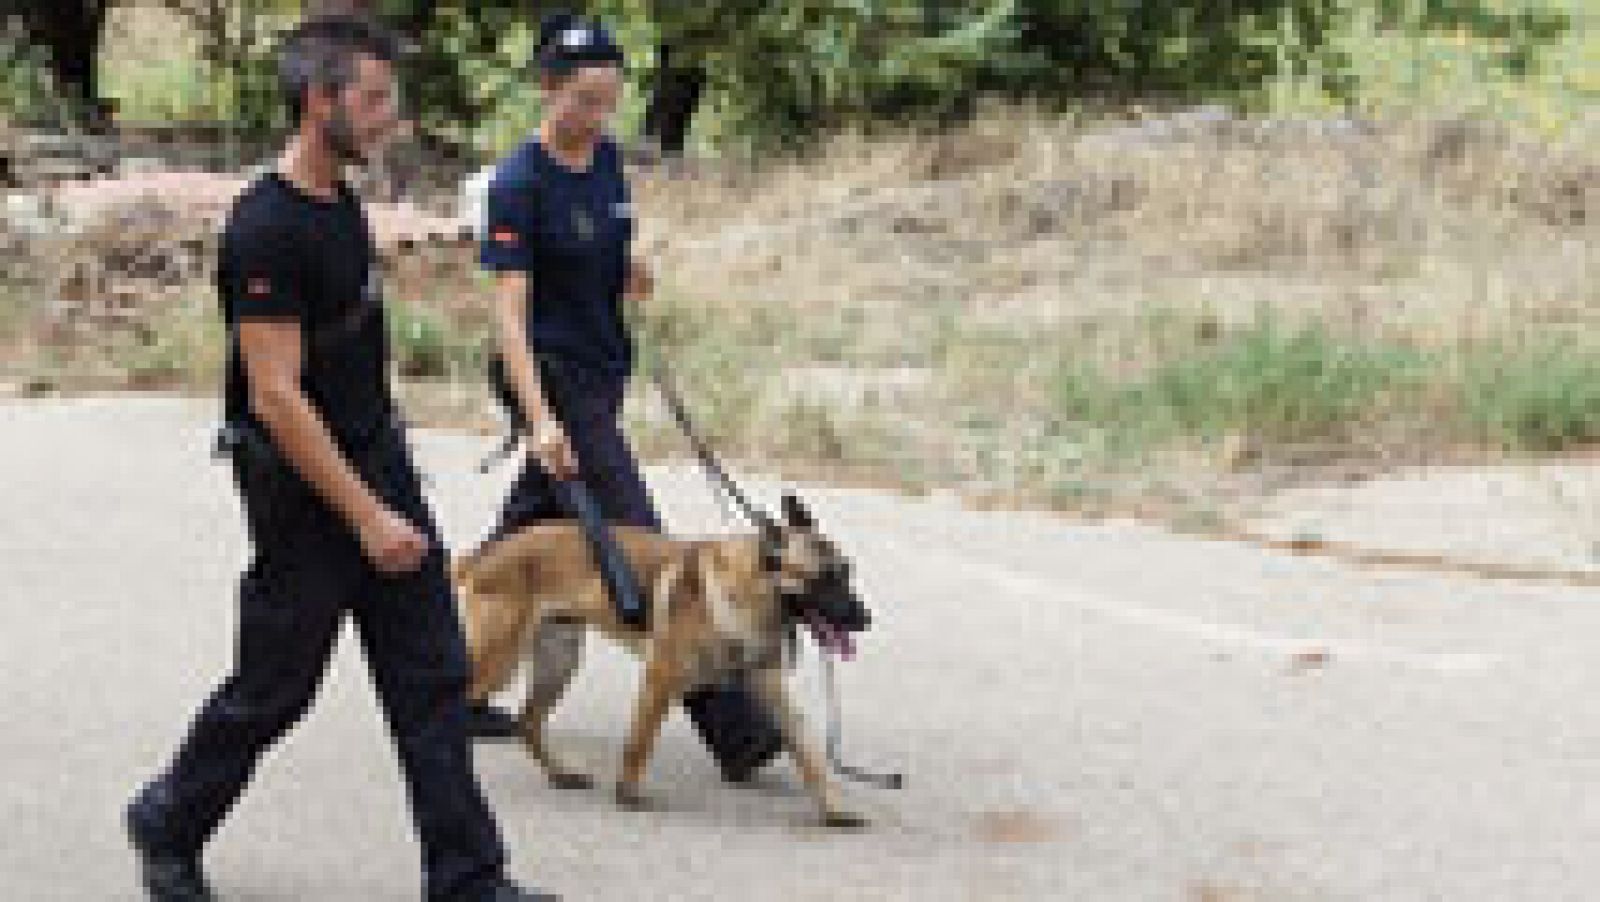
557 234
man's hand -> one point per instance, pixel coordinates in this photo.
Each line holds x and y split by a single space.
391 542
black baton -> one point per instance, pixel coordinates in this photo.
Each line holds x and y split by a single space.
613 565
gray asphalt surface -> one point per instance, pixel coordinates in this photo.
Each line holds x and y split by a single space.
1093 712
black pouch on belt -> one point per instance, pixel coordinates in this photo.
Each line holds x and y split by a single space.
272 492
278 499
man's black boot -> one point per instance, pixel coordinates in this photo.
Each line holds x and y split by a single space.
740 733
505 891
756 754
165 875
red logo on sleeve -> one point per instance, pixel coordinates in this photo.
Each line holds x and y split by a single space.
258 287
504 236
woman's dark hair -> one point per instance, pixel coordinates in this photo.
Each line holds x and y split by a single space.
568 41
323 52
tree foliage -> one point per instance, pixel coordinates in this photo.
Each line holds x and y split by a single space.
800 68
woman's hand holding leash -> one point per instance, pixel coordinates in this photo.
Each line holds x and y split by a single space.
548 443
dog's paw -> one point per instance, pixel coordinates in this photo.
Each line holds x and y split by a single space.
629 798
571 780
844 820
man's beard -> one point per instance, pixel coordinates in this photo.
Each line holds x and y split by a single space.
340 136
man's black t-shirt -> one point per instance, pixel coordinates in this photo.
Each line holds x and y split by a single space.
286 255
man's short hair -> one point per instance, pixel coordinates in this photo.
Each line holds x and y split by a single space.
323 52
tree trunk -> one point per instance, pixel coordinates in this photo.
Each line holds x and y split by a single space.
71 33
341 7
674 98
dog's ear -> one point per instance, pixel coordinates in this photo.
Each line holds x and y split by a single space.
795 512
771 543
771 531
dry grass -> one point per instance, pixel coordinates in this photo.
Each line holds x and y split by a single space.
1049 220
1151 309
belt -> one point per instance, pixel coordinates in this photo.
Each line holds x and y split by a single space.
248 440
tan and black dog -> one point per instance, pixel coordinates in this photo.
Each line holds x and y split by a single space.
717 607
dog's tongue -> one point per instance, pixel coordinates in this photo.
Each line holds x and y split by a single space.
831 639
846 645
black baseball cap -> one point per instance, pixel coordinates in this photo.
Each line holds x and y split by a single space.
568 41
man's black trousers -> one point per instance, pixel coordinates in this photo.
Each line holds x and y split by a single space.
307 575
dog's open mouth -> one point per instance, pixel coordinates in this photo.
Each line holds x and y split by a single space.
830 638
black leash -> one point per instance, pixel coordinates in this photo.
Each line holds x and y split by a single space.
708 460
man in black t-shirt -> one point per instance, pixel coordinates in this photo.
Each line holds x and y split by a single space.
332 501
291 256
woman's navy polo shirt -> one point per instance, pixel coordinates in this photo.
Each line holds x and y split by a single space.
569 230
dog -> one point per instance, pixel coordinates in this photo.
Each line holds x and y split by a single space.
718 608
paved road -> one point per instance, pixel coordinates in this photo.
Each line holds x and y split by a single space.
1093 712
